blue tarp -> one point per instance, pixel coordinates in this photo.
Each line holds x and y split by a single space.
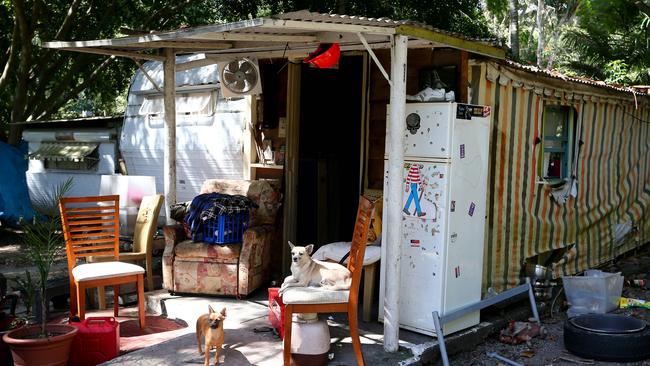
14 195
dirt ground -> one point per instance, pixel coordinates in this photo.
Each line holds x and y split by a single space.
550 349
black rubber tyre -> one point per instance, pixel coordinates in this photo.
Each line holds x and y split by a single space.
622 347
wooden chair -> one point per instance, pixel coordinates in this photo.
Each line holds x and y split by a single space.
91 227
316 300
144 231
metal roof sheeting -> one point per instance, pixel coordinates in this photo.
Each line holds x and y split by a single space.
63 151
581 80
305 15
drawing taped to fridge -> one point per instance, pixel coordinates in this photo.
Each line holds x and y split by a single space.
443 213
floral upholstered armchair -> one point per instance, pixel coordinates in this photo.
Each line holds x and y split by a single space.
231 269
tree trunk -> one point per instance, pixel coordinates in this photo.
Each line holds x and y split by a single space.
540 32
514 28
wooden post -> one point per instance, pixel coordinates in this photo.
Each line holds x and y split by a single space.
393 200
169 170
291 161
463 83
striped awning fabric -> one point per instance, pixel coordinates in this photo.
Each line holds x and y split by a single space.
64 151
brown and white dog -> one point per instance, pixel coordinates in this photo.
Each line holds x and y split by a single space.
306 271
210 326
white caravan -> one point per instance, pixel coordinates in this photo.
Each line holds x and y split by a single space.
210 129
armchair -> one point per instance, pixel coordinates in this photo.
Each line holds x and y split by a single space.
232 269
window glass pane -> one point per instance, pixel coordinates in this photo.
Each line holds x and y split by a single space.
553 165
556 122
186 104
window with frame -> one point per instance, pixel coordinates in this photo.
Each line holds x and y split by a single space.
558 141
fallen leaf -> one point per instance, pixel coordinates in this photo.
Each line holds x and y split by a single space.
527 353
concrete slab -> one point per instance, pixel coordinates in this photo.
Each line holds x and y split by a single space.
244 345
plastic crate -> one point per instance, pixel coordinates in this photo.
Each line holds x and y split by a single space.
595 292
226 228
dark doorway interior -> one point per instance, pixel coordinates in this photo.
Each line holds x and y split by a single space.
329 152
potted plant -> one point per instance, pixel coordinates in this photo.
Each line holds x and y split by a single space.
44 344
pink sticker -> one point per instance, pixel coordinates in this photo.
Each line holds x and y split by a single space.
486 111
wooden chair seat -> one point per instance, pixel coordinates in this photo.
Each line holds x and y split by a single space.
98 271
314 295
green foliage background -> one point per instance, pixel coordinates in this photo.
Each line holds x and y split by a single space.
602 39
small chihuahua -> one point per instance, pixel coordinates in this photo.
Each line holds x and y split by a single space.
211 327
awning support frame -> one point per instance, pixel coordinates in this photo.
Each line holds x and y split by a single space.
374 57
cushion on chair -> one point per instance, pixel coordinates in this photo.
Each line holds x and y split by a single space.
96 271
202 252
314 295
336 251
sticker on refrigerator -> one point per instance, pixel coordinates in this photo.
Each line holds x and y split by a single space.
454 236
413 123
415 243
472 206
466 111
462 151
486 111
414 189
453 206
457 271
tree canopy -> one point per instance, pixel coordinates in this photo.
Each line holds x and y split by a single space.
603 39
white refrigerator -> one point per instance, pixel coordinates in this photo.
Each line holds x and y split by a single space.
443 213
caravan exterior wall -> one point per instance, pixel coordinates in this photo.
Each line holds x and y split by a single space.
209 128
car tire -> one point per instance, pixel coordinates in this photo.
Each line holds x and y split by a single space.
602 346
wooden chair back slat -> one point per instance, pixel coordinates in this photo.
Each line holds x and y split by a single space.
90 215
359 241
92 253
92 242
145 223
79 222
91 226
97 235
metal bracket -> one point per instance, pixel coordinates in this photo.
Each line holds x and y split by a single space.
438 320
374 57
146 74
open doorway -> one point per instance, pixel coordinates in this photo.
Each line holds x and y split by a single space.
329 152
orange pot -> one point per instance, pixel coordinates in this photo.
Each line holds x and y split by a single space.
52 351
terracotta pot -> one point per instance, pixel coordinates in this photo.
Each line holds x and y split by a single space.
52 351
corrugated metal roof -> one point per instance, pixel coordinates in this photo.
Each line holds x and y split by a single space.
64 151
305 15
581 80
297 32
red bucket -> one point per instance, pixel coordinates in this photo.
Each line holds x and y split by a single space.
276 311
97 341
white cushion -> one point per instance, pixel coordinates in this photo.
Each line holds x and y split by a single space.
96 271
336 251
314 295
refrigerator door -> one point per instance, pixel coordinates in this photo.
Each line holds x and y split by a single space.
423 245
428 131
467 207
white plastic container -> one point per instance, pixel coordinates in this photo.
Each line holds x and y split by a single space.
595 292
310 340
